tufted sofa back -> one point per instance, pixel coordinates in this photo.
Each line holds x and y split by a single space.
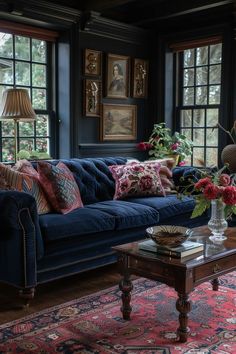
93 176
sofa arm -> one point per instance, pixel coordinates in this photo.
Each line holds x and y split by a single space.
183 176
20 239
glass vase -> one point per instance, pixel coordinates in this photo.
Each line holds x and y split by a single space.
217 223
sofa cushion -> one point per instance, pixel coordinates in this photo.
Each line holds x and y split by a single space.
137 179
60 187
127 215
78 222
25 183
168 207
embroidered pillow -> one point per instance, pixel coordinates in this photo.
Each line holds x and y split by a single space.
24 183
60 186
135 179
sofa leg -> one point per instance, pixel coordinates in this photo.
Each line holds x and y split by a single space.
27 295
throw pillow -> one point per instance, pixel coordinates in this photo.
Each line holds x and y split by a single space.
136 180
166 180
168 162
26 167
24 183
60 186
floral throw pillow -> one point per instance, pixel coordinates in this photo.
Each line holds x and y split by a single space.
60 186
137 179
25 183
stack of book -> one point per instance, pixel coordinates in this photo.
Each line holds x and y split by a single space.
186 249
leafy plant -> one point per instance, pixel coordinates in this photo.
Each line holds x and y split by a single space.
32 155
162 143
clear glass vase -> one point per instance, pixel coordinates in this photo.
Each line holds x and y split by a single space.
217 223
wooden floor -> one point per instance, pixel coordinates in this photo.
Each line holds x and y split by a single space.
56 292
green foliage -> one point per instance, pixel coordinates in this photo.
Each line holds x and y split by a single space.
201 206
32 155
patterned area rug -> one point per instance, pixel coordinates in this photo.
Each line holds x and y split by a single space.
93 324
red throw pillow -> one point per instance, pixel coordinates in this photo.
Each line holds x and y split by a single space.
22 182
60 186
136 179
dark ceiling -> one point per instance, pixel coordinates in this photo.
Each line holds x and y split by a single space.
145 12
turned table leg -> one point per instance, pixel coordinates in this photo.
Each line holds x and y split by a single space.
215 284
183 305
27 295
126 286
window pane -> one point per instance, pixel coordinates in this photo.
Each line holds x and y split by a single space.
39 50
215 74
186 118
6 45
42 145
201 75
6 71
22 47
189 56
216 53
198 118
42 125
198 156
22 73
202 56
39 75
7 128
187 133
188 96
212 117
188 77
198 137
8 150
214 94
211 157
26 128
26 144
212 137
201 95
39 99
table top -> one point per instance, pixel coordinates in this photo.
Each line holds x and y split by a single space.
200 234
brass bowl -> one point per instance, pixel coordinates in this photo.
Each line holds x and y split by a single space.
169 235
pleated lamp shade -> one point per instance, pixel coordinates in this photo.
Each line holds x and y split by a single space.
16 105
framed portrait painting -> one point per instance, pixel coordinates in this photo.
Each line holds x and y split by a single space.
92 98
92 62
117 85
119 122
140 78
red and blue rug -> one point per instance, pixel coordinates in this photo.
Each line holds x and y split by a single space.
93 324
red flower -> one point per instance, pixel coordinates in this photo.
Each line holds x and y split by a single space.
229 195
202 183
211 191
174 146
182 163
224 180
144 146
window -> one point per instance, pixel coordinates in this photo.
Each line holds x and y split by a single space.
24 63
199 100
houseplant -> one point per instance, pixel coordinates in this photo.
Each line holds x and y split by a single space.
162 143
217 190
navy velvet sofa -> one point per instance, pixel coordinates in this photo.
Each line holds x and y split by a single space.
39 248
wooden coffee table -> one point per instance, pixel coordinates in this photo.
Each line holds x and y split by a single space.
183 275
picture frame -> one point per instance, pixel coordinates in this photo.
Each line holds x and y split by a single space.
140 78
92 97
117 81
92 62
119 122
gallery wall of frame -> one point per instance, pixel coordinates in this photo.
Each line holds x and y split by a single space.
110 78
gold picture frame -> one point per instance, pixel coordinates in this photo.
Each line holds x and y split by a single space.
119 122
140 78
92 62
92 97
117 83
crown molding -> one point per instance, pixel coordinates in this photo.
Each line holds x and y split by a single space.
39 12
92 22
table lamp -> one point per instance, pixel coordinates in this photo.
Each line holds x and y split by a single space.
16 105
